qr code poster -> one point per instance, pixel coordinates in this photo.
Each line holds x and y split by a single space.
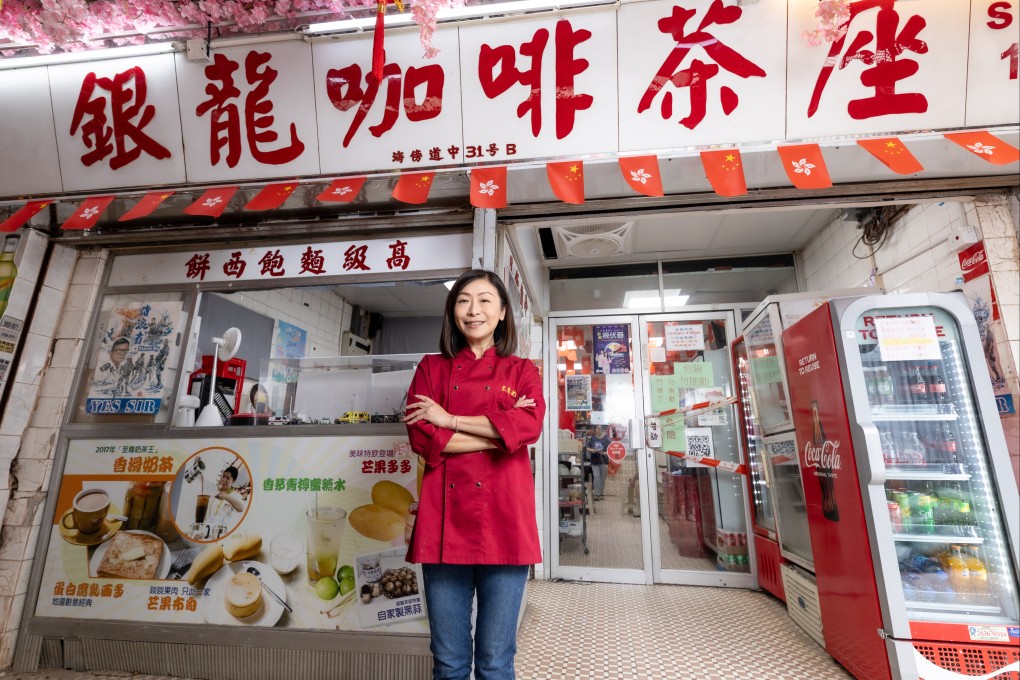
699 442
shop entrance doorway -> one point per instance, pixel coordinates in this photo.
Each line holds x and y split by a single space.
623 510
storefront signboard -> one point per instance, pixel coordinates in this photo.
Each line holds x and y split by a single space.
286 262
648 76
172 532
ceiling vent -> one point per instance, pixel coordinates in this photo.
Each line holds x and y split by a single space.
589 240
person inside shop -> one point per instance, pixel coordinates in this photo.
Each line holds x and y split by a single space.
472 412
259 398
597 447
227 505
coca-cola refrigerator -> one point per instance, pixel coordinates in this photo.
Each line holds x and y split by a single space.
913 512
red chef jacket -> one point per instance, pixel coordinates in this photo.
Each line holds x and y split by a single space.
477 508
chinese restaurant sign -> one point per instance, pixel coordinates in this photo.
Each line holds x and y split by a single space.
323 520
305 261
645 77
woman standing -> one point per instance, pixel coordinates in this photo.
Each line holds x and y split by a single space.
472 411
598 447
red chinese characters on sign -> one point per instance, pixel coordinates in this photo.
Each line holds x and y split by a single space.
697 75
344 89
313 262
272 263
235 265
225 115
399 259
354 258
886 63
197 266
498 72
119 136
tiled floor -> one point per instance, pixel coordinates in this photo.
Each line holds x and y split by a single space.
599 631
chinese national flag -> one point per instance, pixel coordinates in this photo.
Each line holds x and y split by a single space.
342 190
88 213
413 187
892 152
488 187
724 171
987 146
24 215
272 196
805 166
146 206
212 203
642 174
567 180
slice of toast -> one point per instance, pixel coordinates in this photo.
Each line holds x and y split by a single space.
114 564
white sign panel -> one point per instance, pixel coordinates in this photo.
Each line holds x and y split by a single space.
118 123
263 263
907 338
25 98
249 113
993 89
901 66
410 121
700 73
539 88
685 336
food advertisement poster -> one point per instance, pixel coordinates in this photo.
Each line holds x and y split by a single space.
300 533
139 340
612 348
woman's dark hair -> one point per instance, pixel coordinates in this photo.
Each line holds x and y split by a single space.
452 341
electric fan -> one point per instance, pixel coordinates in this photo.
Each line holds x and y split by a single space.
226 348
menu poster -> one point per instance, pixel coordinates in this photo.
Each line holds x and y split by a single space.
10 335
206 532
139 341
578 391
612 348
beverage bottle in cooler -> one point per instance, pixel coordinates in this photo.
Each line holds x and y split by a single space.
917 385
959 573
884 385
924 513
906 516
824 456
911 450
937 388
978 572
889 450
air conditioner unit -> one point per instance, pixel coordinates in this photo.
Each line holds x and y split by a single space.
594 239
353 345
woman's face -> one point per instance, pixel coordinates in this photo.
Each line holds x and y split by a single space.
599 432
477 311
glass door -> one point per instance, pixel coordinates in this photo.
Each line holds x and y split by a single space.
630 509
762 515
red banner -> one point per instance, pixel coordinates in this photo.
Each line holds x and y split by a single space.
893 153
413 187
212 203
642 174
986 146
272 196
566 180
725 172
342 190
88 213
805 166
146 206
24 215
488 187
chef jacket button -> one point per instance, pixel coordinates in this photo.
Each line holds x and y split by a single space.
478 483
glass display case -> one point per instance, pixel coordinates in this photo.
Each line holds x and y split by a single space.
343 390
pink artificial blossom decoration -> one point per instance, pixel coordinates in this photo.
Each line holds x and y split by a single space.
833 16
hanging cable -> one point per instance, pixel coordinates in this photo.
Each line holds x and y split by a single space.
876 227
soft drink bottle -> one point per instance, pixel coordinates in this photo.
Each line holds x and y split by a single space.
937 391
959 572
884 383
911 450
917 385
890 454
978 572
824 473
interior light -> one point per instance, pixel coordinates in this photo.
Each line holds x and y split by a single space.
577 367
569 344
449 284
561 367
356 25
649 299
90 55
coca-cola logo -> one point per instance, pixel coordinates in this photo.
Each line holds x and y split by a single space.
974 260
825 456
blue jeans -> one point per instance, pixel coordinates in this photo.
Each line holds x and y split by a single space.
449 589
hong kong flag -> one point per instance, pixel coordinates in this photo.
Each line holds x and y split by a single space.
342 190
567 180
642 174
987 146
893 153
805 166
488 187
212 203
88 213
23 215
725 172
272 196
146 206
413 187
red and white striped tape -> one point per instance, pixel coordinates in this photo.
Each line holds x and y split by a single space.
735 468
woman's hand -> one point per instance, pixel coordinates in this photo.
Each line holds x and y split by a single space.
524 402
428 410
